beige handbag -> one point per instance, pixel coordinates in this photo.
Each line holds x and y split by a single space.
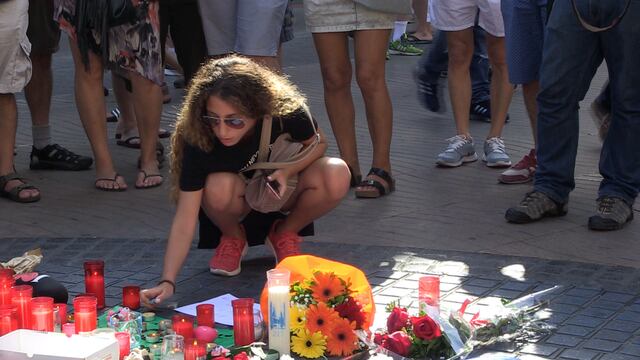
284 153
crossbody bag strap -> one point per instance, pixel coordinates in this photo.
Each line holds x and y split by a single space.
592 28
265 139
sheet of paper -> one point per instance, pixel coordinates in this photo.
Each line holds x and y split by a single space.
223 311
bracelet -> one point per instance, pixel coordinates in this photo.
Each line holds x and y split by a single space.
173 285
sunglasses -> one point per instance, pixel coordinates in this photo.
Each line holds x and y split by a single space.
234 123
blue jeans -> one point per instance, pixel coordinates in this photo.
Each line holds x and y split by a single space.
570 58
436 60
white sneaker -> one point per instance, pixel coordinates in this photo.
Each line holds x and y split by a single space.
495 153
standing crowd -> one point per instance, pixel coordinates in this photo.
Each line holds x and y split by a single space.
485 47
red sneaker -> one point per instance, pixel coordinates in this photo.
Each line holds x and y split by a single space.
521 172
229 254
283 244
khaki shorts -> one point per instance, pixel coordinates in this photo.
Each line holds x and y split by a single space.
43 31
15 65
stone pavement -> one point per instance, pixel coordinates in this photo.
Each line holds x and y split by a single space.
446 221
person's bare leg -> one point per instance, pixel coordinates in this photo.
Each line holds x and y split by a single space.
91 108
370 51
423 29
223 202
39 89
8 126
333 53
147 101
269 61
127 125
501 89
530 93
460 44
321 187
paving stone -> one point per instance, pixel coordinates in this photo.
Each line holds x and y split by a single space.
574 330
629 316
609 305
537 349
506 294
620 325
564 308
617 297
618 357
583 292
612 335
579 354
587 321
601 345
516 285
571 300
482 283
597 312
631 349
564 340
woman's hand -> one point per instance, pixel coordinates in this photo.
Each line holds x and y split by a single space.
281 176
155 295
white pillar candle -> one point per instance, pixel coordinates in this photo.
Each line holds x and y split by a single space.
279 298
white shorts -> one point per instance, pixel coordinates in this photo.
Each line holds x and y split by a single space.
15 65
456 15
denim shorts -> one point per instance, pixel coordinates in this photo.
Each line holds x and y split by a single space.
524 24
15 66
343 16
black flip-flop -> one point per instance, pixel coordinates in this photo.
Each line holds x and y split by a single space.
413 39
130 142
162 134
146 176
114 180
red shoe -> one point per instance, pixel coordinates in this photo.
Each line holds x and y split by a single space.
521 172
283 244
229 253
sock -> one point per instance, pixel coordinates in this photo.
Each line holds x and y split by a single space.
399 28
41 136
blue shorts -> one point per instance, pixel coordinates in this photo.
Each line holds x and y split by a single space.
524 26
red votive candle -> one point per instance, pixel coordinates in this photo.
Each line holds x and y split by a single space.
205 315
85 313
69 329
6 282
429 292
131 297
42 313
61 317
182 325
243 331
194 350
124 343
21 299
94 280
8 319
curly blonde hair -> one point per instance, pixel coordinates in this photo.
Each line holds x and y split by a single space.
252 89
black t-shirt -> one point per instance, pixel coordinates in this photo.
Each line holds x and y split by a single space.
198 164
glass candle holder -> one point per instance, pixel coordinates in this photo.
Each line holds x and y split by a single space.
6 282
172 347
131 297
195 350
182 325
164 325
124 344
279 298
42 313
8 319
259 327
129 322
205 315
85 313
429 293
59 316
21 299
94 280
69 329
243 333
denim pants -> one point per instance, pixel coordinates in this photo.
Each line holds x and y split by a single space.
436 60
570 58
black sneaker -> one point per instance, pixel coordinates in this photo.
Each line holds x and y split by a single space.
55 157
534 207
481 111
429 96
612 214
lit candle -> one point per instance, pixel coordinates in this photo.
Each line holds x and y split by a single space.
21 298
152 337
59 316
205 315
194 350
124 343
164 325
69 329
182 325
42 313
94 280
131 297
8 319
243 332
279 298
429 293
6 282
85 313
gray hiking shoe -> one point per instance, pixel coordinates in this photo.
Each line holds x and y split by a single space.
534 207
495 153
459 151
612 214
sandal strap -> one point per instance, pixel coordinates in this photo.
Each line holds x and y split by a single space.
376 184
381 173
16 190
114 179
9 177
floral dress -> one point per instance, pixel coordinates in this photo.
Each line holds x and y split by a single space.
131 47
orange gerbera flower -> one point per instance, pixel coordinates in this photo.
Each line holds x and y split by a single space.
326 286
341 340
320 317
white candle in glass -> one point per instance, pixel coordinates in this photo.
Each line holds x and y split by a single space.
279 333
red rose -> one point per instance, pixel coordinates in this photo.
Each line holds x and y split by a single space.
425 328
380 338
352 310
241 356
398 342
397 320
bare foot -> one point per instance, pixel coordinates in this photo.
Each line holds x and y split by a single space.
114 182
25 194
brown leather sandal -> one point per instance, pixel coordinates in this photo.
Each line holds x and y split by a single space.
14 193
379 189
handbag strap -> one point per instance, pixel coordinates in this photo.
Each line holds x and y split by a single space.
592 28
262 162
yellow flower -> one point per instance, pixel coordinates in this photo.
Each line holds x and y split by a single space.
309 345
298 320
